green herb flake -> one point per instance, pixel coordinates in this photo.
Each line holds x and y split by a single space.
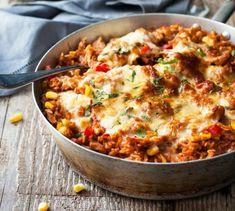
98 103
104 54
130 116
94 95
77 135
136 87
92 84
133 76
113 95
138 97
87 111
200 52
161 61
117 122
159 90
146 118
183 82
141 132
233 52
99 95
128 109
157 80
216 88
122 50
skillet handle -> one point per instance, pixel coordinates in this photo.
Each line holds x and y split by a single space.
225 11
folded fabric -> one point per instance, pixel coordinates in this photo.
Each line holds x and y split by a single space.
28 30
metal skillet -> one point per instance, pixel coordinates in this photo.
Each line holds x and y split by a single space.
141 179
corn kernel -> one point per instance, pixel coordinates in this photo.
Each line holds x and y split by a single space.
79 187
63 130
65 122
163 158
233 124
193 138
16 117
49 105
43 206
84 123
51 95
72 53
87 90
208 41
205 136
59 125
153 150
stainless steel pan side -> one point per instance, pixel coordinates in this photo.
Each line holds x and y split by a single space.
140 179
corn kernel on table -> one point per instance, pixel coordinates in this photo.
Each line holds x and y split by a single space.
33 171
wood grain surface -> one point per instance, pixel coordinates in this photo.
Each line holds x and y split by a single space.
32 169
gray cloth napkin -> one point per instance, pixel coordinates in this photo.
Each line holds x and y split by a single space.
27 31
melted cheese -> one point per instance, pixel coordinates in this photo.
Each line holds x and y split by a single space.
139 36
72 101
129 80
128 44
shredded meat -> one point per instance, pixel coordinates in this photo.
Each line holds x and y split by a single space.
189 65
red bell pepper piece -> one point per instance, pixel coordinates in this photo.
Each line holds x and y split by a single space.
215 130
88 131
102 68
145 49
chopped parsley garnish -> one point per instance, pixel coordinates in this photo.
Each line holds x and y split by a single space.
141 132
98 94
101 95
146 118
133 76
122 50
87 111
113 95
233 53
127 110
138 97
183 82
117 122
98 103
130 116
104 54
200 52
136 87
92 84
77 135
216 88
158 88
156 80
162 61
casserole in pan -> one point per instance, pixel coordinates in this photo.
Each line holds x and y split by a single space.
166 178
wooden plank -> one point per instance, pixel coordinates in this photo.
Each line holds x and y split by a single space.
9 145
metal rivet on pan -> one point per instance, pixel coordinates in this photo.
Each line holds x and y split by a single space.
226 35
196 26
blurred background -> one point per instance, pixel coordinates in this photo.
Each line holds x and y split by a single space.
197 7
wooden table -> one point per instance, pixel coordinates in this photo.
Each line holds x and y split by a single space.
32 169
